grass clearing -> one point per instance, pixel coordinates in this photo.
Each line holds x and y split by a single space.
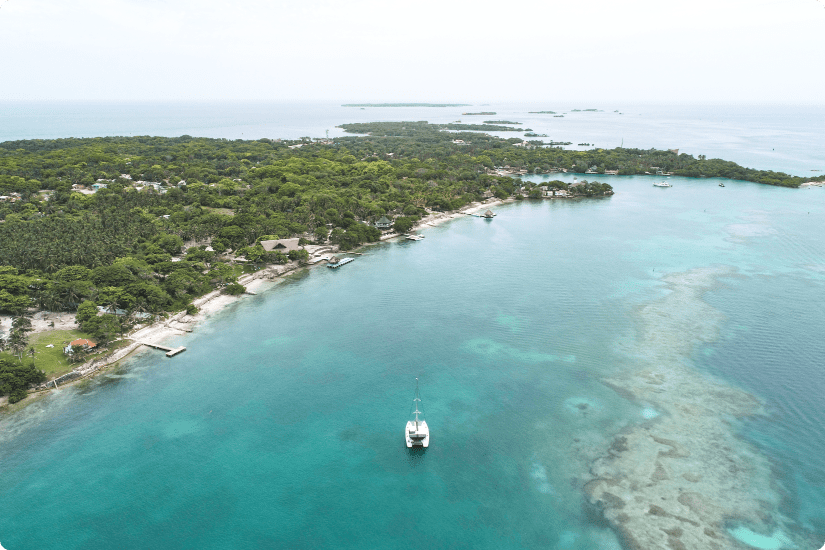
221 211
52 361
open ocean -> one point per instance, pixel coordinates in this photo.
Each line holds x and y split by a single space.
281 425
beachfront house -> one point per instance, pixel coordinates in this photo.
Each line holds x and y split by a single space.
82 343
383 223
281 245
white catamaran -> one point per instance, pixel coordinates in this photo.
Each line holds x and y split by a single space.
417 433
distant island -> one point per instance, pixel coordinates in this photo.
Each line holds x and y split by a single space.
585 111
410 129
488 113
500 122
542 112
406 105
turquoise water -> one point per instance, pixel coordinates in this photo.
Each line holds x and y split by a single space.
281 426
785 138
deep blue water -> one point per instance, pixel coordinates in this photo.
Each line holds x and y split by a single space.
281 424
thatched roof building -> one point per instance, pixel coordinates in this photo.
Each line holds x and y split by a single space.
281 245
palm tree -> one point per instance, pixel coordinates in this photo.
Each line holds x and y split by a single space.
31 352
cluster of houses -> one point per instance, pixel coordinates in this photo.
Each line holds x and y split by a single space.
506 170
510 171
11 197
547 191
140 185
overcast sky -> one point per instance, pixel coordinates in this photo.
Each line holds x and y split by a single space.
428 50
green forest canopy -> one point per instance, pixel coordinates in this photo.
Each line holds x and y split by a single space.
115 247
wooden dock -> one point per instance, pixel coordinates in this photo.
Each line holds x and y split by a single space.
170 352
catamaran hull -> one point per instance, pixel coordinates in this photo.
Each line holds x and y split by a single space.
413 436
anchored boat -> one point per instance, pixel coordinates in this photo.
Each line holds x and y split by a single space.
662 184
417 432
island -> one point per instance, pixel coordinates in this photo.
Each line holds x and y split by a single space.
406 105
500 122
99 236
542 112
480 113
411 129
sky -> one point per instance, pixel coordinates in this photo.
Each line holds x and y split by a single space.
757 51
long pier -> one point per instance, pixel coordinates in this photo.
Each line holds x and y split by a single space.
170 352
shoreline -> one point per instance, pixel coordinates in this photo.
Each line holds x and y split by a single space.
209 304
175 325
435 219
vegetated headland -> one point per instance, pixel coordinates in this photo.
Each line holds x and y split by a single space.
406 105
500 122
120 231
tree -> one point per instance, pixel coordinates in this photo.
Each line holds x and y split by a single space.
85 312
15 379
234 289
403 224
18 341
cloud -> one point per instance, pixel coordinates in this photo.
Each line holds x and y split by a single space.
320 49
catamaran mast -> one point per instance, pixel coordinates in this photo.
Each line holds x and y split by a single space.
416 400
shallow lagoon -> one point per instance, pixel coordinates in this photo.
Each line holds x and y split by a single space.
281 424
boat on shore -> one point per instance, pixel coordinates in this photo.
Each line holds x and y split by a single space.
662 184
417 433
415 237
